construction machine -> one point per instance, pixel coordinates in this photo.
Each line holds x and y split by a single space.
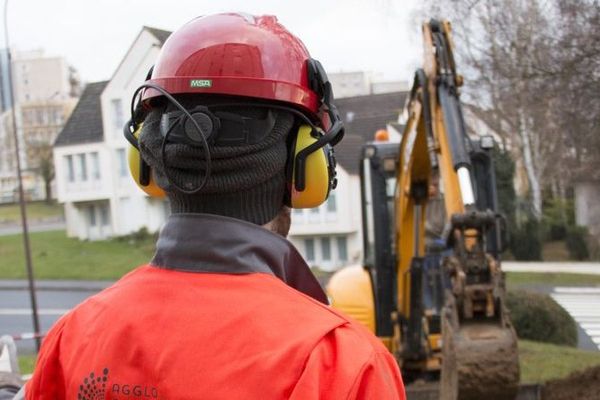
437 303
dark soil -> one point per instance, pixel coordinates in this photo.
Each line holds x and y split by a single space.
582 385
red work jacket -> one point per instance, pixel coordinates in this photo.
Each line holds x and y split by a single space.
213 316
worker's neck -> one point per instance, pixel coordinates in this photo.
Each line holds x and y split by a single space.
281 223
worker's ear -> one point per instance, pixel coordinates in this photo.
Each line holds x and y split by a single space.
311 173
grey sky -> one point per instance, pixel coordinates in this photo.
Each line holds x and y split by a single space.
345 35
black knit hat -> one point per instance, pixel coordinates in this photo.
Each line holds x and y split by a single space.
247 182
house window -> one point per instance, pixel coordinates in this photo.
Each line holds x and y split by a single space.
83 167
309 249
342 247
104 215
95 165
117 112
331 204
122 162
70 168
57 116
92 215
40 117
326 248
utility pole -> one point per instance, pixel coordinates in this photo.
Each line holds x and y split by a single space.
26 245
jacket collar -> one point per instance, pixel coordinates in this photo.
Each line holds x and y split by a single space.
215 244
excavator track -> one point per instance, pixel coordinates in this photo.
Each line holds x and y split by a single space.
479 360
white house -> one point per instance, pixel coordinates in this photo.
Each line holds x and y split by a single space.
93 180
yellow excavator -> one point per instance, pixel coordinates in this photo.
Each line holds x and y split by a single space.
436 300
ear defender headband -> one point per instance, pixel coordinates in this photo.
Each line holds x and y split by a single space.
310 173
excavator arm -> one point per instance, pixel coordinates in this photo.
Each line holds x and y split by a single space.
479 347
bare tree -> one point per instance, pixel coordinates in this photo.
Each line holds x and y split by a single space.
532 76
42 163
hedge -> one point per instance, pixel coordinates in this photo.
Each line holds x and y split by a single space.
538 317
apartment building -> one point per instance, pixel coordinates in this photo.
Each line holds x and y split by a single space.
45 90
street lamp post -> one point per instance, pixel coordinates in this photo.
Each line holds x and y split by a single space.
27 247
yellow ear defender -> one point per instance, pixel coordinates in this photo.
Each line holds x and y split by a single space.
136 167
317 177
317 171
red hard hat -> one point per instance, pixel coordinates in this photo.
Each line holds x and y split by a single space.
239 55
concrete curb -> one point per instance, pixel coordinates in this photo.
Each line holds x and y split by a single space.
11 223
590 268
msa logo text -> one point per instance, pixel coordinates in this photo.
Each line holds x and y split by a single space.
200 83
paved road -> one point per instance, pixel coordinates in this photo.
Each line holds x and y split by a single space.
584 306
15 311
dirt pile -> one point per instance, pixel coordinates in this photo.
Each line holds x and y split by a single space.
582 385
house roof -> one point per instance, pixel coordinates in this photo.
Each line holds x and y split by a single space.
363 116
85 123
160 34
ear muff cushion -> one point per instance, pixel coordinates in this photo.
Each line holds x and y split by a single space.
317 173
133 158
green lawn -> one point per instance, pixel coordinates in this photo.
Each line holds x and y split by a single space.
541 362
57 257
515 279
35 210
27 364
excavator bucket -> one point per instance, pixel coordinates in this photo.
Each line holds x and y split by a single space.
479 360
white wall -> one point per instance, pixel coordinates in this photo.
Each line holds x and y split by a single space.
389 87
349 84
37 77
130 74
